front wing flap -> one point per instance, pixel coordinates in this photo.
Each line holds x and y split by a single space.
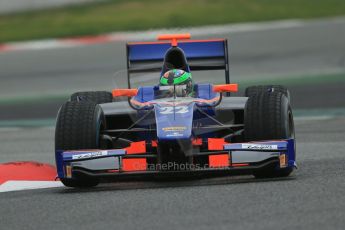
133 161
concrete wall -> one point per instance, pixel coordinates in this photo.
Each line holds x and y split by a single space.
11 6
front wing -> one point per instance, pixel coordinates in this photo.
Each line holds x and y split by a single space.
224 159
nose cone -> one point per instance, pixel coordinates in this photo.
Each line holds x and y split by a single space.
174 122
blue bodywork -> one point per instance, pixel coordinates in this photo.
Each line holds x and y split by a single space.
140 52
275 148
64 158
148 93
174 122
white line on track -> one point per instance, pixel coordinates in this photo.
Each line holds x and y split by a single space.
314 118
10 186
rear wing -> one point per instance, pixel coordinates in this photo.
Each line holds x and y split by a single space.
200 54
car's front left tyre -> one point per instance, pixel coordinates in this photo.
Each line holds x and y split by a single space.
268 116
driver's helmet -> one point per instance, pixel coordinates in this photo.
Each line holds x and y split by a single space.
178 77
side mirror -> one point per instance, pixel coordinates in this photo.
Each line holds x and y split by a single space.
226 88
124 92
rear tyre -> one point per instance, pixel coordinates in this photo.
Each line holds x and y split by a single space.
252 90
78 127
268 116
98 97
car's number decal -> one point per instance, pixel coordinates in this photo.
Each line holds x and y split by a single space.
171 110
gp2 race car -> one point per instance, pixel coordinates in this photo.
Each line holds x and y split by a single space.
155 131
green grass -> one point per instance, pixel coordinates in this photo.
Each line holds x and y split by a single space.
119 15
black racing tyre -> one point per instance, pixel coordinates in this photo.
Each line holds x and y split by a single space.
78 127
250 91
268 116
98 97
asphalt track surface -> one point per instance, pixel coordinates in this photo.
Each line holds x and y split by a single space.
313 198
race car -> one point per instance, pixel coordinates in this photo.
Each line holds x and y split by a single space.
178 127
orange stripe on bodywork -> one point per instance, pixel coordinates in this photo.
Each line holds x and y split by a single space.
232 88
240 164
185 41
197 141
134 164
216 143
124 92
138 103
136 148
154 143
208 101
216 161
173 36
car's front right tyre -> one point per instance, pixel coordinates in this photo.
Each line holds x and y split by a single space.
78 127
